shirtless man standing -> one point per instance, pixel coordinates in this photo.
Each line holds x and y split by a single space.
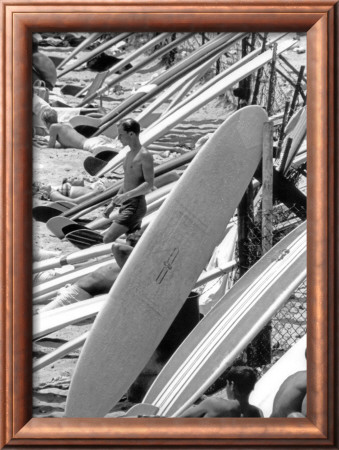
138 180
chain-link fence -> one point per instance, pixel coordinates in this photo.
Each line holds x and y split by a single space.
288 325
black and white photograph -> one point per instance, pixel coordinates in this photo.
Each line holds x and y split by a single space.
169 224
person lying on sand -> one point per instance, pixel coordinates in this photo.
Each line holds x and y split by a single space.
97 283
240 383
73 189
138 180
68 137
291 399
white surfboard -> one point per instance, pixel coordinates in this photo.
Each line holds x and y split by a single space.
137 66
170 255
292 361
69 277
150 135
50 321
93 53
47 322
230 326
73 258
83 45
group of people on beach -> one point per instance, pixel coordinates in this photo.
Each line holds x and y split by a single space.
138 180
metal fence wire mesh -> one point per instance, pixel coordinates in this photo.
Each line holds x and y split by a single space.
288 325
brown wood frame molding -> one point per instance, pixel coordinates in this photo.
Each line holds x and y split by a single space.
19 19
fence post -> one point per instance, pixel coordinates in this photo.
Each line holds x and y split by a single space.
296 91
244 89
265 336
259 75
259 352
245 221
292 67
285 155
282 129
273 78
267 188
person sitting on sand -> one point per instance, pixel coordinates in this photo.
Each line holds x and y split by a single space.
96 283
240 382
68 137
138 180
291 399
43 116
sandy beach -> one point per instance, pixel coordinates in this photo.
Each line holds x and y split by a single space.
51 165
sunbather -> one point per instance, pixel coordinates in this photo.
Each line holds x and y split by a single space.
43 116
73 189
240 383
68 137
96 283
290 400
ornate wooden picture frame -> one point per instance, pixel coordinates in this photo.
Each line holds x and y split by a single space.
19 19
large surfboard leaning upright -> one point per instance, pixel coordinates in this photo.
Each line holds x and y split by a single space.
166 263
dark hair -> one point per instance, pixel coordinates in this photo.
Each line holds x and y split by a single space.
243 377
131 125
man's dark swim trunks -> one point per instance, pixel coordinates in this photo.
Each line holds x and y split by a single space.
131 213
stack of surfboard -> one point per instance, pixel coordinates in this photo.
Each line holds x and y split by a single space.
171 254
230 326
169 122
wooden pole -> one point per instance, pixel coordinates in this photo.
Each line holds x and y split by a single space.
272 83
267 188
282 129
245 221
291 67
285 154
244 84
296 92
301 92
265 336
259 75
259 352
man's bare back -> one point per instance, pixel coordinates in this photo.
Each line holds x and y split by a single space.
220 407
66 135
291 395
